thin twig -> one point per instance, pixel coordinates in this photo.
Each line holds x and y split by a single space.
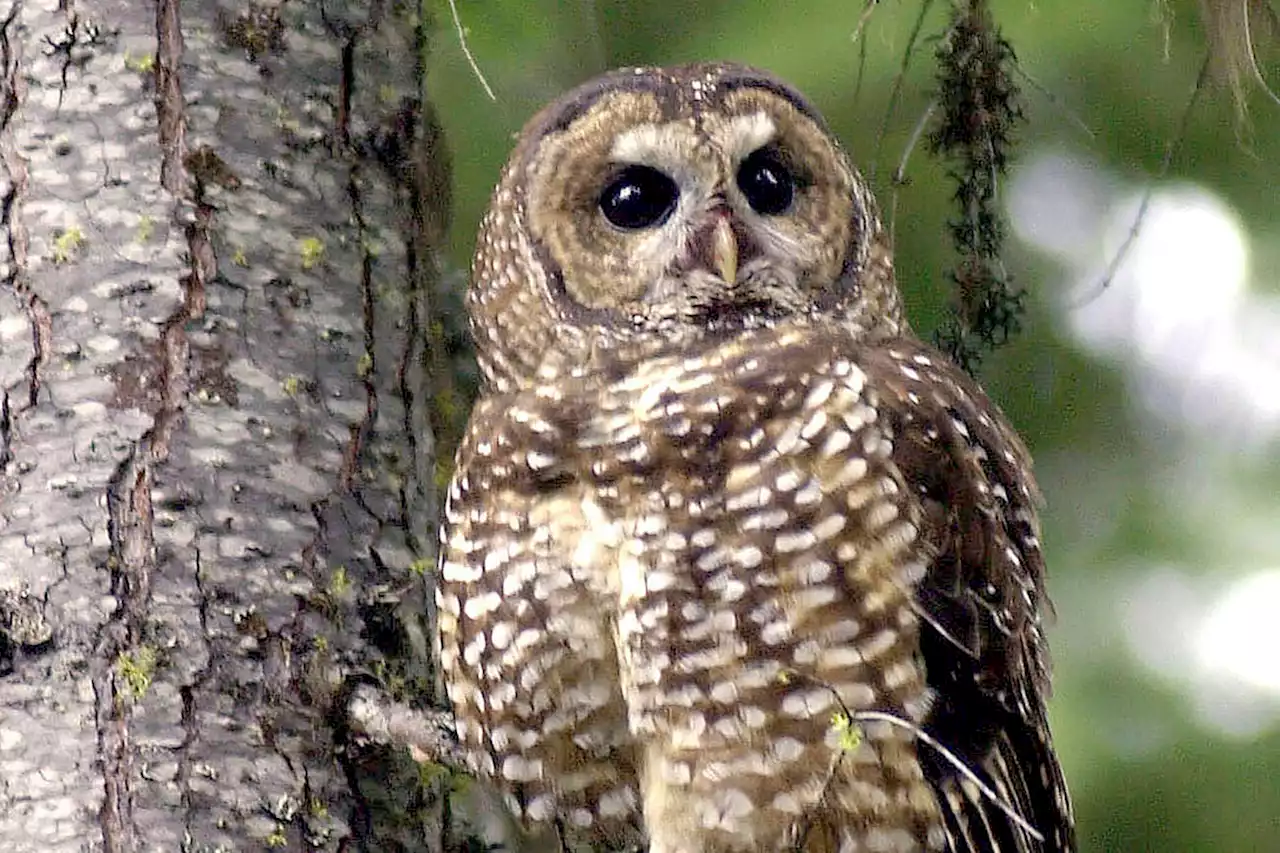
1057 102
955 761
933 622
929 740
466 51
862 51
428 734
864 18
900 174
1253 59
898 82
1170 149
1164 16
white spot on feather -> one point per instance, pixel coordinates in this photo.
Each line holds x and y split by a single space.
480 605
518 769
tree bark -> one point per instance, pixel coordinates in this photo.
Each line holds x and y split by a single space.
225 366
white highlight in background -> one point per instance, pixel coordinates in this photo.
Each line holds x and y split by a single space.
1200 349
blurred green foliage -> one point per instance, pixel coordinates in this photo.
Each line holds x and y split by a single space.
1111 81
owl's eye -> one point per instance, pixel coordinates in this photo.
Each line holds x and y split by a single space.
639 197
766 182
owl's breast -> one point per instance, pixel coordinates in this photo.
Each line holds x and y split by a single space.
759 553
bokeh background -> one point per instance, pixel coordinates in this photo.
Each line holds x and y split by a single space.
1148 387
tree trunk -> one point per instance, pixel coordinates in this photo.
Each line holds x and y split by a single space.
223 361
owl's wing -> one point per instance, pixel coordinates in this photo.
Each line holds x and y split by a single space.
526 645
982 601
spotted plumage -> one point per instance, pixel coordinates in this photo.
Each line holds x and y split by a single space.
731 561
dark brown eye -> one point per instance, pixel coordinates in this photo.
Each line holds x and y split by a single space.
639 197
766 182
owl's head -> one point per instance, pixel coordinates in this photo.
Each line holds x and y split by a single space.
655 207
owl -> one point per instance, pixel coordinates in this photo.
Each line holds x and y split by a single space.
731 561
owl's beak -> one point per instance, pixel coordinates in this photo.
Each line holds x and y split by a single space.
724 251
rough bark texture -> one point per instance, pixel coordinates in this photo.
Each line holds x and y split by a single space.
222 365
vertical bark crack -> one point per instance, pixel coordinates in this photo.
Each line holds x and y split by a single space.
122 655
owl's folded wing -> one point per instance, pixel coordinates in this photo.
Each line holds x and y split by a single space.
982 601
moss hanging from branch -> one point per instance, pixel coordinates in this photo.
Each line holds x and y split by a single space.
978 113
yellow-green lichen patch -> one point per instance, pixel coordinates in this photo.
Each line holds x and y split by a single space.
145 64
848 733
312 251
146 228
136 670
67 243
339 583
364 366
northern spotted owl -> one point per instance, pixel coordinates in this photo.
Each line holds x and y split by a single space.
731 560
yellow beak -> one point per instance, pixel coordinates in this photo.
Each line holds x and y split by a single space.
724 252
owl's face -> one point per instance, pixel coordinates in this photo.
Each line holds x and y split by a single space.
664 204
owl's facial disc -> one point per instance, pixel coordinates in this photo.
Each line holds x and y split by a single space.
717 206
660 207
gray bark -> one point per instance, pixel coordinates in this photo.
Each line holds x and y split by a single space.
222 364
